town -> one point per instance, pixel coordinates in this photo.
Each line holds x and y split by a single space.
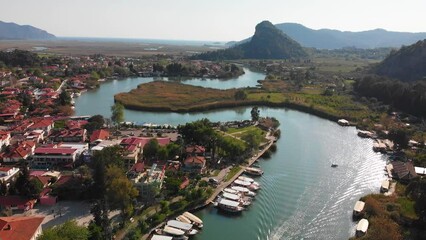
53 163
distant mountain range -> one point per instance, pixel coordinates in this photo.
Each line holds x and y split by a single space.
268 42
13 31
406 64
335 39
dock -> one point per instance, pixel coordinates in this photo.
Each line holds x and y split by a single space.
252 160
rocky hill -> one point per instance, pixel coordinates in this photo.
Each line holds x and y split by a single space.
13 31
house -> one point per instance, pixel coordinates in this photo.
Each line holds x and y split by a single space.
195 150
133 148
45 124
15 202
8 174
21 151
20 228
4 138
48 156
194 164
99 135
35 135
403 171
69 135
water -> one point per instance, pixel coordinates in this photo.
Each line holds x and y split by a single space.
302 197
100 100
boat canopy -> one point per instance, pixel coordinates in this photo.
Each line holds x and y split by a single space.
242 183
230 190
173 231
161 237
183 219
231 196
359 206
252 169
228 203
246 179
362 226
179 225
192 217
240 189
385 184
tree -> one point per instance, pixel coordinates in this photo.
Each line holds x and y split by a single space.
120 191
67 231
117 111
255 113
253 139
3 188
64 98
94 123
240 95
150 150
399 136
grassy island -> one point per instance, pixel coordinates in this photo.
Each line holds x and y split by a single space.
177 97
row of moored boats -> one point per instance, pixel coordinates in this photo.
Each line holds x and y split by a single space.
184 226
239 196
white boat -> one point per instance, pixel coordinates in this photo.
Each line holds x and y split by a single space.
253 187
361 227
246 179
230 190
233 197
183 219
254 171
194 219
173 231
161 237
186 227
229 205
244 190
358 208
385 186
242 183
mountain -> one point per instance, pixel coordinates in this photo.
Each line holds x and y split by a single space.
13 31
268 42
406 64
334 39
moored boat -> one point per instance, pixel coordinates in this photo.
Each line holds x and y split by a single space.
186 227
194 219
253 171
173 231
242 183
161 237
229 205
183 219
358 208
244 190
361 228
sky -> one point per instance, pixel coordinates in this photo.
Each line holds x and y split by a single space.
215 20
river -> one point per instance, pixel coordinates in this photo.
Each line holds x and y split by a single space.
302 197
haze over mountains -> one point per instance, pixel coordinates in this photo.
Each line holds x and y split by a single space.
335 39
13 31
268 42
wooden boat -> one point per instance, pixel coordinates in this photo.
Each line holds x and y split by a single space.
334 165
242 183
244 191
161 237
173 231
194 219
385 186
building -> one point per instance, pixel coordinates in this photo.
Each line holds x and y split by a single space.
56 155
20 228
14 202
8 174
99 135
19 152
69 135
403 171
194 164
133 148
45 124
4 138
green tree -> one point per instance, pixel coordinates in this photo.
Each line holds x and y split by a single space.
399 136
64 98
117 111
150 150
253 139
67 231
255 114
240 95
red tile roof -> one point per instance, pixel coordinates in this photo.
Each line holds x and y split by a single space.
138 167
195 160
195 149
99 134
44 150
44 123
19 228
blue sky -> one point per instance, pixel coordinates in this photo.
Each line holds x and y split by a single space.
221 20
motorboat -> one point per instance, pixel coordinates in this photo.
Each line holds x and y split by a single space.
253 171
183 219
244 191
361 227
334 165
229 205
358 208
